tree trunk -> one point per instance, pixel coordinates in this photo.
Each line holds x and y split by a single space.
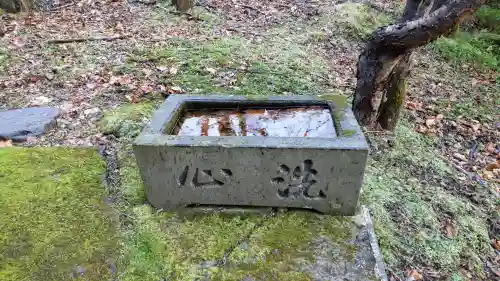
390 108
386 55
10 6
14 6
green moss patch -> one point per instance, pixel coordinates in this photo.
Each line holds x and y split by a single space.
127 120
238 66
467 105
4 58
359 20
54 221
159 245
488 16
164 245
481 49
411 212
277 249
132 188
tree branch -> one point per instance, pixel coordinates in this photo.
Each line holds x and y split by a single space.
416 33
72 40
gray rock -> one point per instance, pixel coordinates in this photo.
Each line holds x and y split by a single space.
18 124
324 174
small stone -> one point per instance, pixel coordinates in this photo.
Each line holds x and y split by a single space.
92 111
459 156
173 70
359 221
21 123
208 264
112 268
496 173
49 76
41 100
490 147
66 107
80 270
162 69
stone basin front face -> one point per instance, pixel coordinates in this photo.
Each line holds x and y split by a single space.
323 173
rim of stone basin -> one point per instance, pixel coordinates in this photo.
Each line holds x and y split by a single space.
165 118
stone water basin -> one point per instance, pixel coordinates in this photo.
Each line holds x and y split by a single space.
295 152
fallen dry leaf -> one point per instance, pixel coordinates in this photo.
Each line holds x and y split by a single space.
414 275
496 173
490 147
451 230
475 126
496 244
459 156
18 42
124 80
34 78
422 129
478 99
175 90
5 143
41 100
146 89
430 122
120 80
488 175
173 70
210 70
493 166
434 120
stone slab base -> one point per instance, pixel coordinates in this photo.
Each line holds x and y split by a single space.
298 245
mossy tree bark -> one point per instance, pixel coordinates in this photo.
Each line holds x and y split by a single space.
14 6
386 57
395 95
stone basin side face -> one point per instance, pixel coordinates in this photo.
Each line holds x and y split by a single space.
324 174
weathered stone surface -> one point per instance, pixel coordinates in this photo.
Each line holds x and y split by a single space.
18 124
305 246
324 174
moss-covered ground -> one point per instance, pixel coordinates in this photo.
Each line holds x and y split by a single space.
427 217
54 223
421 217
195 245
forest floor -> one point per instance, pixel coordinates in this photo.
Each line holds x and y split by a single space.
432 187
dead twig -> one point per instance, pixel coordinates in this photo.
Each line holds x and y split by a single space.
252 8
243 31
73 40
63 6
472 153
145 2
